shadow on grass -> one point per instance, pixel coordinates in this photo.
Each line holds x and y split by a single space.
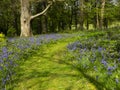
48 76
51 76
97 84
44 78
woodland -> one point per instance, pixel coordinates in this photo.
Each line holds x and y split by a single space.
59 44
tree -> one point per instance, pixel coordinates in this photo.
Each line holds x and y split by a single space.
9 16
26 17
102 13
81 14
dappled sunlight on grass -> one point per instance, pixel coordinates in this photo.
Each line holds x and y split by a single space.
47 71
81 62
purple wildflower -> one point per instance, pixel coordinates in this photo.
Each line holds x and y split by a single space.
32 40
119 59
3 81
100 49
5 55
85 49
4 49
116 80
104 62
110 69
1 68
1 61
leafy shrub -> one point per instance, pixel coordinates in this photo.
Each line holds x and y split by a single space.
2 37
11 32
115 37
118 45
109 33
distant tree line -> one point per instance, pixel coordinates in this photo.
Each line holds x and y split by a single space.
61 15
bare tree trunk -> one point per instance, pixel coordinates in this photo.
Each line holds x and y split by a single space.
97 17
26 17
81 14
102 13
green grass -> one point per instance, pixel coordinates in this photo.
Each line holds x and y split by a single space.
52 67
48 70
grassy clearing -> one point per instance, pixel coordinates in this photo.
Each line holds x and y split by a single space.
46 70
54 67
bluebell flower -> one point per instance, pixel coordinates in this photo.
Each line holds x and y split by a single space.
5 55
104 62
85 49
1 68
4 50
1 60
100 49
119 59
11 62
110 69
116 80
71 47
3 81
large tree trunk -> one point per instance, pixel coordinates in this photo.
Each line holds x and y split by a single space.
102 13
26 17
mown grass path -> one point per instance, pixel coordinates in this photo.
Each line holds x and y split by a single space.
46 70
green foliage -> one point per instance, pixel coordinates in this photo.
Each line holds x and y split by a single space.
97 58
9 15
118 45
11 32
2 37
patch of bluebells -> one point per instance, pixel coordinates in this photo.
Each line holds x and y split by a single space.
14 49
96 59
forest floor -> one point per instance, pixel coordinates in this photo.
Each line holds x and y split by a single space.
46 70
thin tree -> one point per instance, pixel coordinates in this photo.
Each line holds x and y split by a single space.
81 14
102 13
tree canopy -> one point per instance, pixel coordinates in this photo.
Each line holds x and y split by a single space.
58 16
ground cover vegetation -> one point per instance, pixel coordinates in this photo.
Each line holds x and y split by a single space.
12 50
94 54
98 58
78 49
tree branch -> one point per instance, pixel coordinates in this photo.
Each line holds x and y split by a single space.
41 13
